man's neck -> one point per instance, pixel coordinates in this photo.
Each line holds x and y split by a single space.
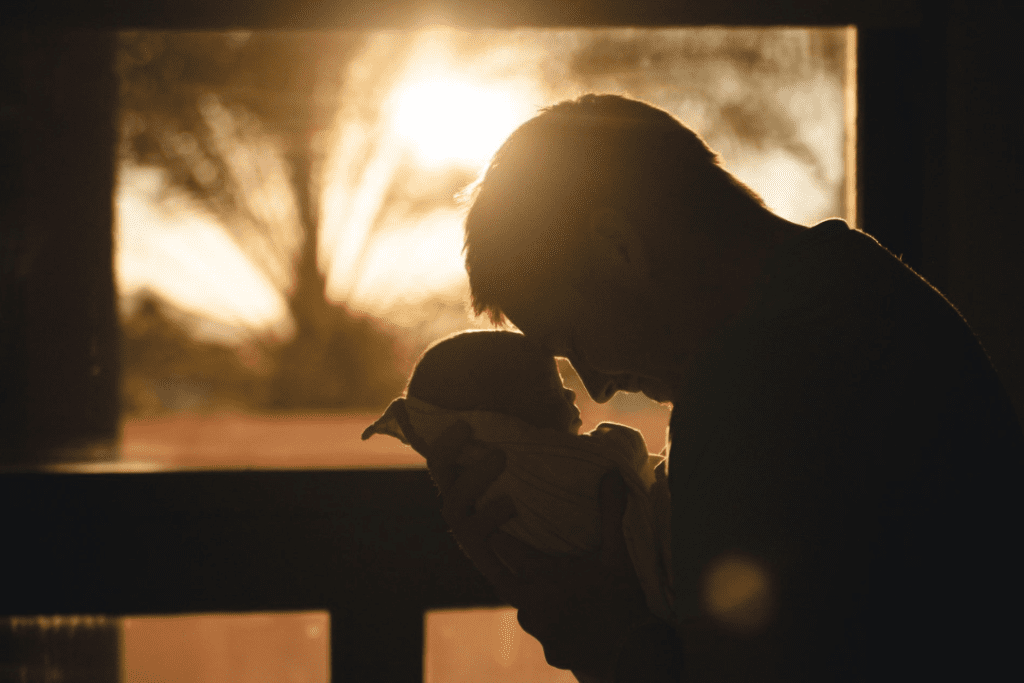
716 283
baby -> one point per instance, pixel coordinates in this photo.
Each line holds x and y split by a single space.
509 391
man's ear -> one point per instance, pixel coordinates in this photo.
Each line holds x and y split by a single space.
617 244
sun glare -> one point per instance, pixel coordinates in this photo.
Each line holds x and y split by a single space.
456 121
420 113
444 110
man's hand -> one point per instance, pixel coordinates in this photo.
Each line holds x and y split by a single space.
579 608
460 488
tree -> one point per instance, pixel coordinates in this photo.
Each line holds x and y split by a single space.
240 122
762 90
168 369
261 127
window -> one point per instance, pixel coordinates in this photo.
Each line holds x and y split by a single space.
287 237
230 648
288 240
211 212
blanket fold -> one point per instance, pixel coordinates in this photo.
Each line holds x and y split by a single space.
554 479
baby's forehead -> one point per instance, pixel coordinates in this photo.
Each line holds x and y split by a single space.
525 366
519 368
490 358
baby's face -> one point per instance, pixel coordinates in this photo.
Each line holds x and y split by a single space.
545 403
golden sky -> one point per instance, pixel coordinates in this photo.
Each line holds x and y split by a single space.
437 110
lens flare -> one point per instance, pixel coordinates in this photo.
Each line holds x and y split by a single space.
737 593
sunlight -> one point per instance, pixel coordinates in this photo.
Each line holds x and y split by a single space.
409 263
386 243
417 114
174 249
447 120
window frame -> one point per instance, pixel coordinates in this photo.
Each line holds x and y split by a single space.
369 546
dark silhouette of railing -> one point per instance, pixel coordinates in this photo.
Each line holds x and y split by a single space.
368 546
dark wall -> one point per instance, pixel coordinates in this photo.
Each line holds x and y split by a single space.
58 334
940 163
362 14
985 181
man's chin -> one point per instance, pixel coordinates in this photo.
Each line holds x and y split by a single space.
656 391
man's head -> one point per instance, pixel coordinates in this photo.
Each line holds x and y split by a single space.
585 212
499 371
594 153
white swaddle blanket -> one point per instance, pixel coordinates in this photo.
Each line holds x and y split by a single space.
554 479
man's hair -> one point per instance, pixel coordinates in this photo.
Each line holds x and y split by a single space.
476 370
607 150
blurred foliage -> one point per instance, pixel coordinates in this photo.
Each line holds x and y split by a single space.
237 121
167 368
348 361
745 85
283 83
243 123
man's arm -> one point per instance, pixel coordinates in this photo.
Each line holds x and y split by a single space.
651 653
589 612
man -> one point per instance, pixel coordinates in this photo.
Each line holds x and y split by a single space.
841 449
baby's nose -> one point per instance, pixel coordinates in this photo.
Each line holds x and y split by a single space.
570 395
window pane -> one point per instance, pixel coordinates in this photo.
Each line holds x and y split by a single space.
484 645
227 648
72 648
288 241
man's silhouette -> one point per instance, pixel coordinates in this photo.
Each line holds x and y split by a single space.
842 453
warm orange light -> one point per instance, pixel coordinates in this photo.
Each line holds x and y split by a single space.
483 644
228 648
443 110
455 121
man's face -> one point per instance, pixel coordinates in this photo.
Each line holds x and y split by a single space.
606 335
544 402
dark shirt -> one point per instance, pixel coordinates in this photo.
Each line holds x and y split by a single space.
847 441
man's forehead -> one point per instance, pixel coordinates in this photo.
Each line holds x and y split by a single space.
546 307
542 323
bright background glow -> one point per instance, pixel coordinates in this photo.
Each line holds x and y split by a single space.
175 249
418 112
456 121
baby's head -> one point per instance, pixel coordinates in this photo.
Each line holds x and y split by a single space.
497 371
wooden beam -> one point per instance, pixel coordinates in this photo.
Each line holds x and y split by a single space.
363 14
212 541
370 546
58 330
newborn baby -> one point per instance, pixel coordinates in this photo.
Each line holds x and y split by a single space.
509 391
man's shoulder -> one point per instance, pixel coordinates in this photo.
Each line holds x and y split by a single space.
839 330
832 267
837 293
